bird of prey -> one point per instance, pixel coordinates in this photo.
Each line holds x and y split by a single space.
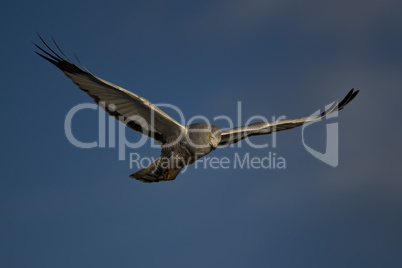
181 145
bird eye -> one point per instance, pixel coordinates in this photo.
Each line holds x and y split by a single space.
210 137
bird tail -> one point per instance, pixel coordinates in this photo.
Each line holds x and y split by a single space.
152 174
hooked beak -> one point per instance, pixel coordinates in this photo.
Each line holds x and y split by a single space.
214 144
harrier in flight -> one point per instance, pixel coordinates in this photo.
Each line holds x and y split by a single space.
181 145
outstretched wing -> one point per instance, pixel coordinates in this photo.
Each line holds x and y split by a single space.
233 135
132 110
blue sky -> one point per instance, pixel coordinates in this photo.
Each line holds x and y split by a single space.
62 206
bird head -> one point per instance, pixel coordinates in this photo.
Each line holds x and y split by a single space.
214 139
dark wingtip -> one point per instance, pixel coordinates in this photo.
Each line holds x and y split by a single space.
63 63
349 97
48 59
354 95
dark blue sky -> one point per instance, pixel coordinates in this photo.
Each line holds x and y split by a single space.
62 206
